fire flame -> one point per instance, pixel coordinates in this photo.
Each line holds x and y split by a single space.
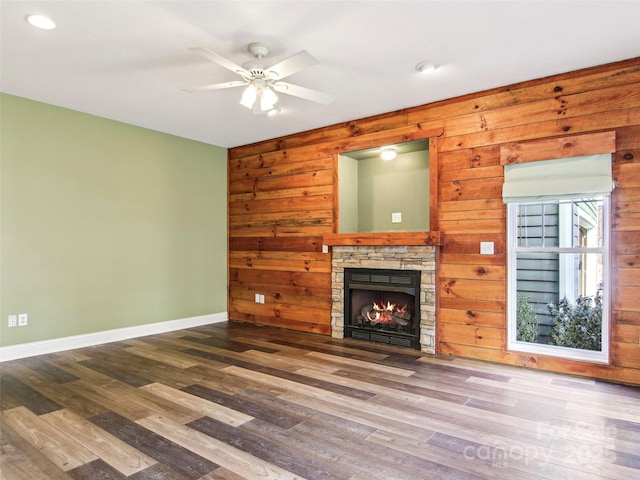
384 313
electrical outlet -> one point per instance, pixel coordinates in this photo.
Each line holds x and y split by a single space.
396 217
257 298
486 248
261 298
13 320
23 320
325 248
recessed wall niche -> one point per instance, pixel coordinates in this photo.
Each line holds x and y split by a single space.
377 195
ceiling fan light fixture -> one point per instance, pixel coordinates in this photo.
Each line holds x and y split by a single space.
268 99
388 153
249 96
261 82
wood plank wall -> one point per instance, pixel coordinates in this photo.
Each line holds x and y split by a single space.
282 200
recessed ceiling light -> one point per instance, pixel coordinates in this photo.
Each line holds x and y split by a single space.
40 21
426 67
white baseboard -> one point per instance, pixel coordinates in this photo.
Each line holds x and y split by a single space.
23 350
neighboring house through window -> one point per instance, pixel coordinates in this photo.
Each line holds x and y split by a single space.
558 265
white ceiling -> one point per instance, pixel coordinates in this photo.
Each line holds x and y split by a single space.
129 60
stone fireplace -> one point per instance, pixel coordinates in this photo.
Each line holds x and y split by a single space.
386 259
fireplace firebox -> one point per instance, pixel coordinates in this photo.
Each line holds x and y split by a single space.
383 306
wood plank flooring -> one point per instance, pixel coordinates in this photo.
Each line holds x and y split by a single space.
239 401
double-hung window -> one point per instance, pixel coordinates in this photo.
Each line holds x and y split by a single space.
558 263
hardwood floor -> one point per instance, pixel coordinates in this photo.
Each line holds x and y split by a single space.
232 401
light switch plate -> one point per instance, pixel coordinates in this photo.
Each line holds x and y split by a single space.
396 217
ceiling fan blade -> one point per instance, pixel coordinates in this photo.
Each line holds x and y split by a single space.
303 92
215 86
219 59
291 65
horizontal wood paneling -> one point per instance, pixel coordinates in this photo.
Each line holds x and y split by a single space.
262 181
473 271
246 276
277 167
619 373
550 128
533 91
296 218
623 317
468 305
472 289
574 146
285 204
472 317
472 189
469 243
475 335
627 276
307 191
290 261
626 297
282 206
267 244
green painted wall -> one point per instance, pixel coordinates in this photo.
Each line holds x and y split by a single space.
105 225
400 185
348 194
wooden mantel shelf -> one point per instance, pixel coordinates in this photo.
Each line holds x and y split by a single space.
388 238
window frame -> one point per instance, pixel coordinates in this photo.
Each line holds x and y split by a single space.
514 345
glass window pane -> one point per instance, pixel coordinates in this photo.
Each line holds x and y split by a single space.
538 225
559 299
537 285
590 224
566 224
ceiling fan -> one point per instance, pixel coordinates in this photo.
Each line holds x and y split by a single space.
263 82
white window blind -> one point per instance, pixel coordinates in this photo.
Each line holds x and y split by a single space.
574 177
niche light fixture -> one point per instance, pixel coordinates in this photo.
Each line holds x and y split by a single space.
388 153
41 21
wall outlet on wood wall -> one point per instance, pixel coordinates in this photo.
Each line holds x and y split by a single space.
486 248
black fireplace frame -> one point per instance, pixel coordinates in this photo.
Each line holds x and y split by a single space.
385 280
